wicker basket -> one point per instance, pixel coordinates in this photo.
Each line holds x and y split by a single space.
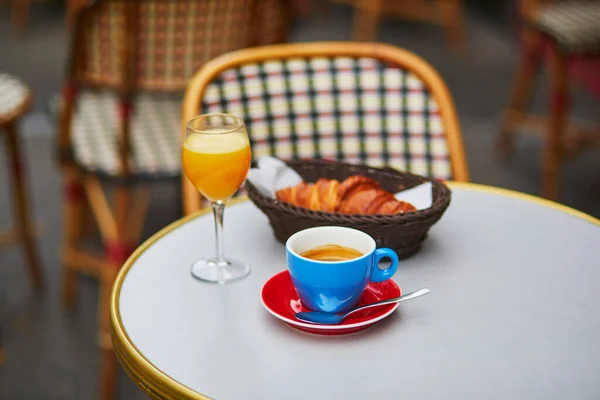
401 232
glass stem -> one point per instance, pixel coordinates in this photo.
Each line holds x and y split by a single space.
218 209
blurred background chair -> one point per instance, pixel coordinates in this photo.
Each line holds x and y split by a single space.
120 118
15 99
358 102
445 13
566 34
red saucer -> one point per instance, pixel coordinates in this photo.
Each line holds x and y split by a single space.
280 299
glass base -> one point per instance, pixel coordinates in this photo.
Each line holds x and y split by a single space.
209 270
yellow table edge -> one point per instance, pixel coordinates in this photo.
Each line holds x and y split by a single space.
149 377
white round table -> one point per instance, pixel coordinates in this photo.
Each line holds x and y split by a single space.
513 313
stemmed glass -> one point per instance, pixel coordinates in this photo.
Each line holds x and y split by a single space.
216 158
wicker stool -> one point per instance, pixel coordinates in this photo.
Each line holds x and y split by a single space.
15 99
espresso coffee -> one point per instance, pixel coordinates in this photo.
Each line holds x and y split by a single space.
332 252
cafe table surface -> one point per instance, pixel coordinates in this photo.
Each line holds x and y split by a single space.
513 313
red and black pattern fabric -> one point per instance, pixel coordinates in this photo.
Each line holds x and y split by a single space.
353 109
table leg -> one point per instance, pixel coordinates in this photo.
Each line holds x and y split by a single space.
20 14
108 385
366 19
108 360
24 227
522 90
73 7
72 214
552 153
117 253
452 19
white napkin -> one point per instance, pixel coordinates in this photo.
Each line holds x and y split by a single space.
273 175
420 196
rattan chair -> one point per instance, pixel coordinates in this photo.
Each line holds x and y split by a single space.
565 33
358 102
120 117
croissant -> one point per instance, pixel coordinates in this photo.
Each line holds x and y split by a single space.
355 195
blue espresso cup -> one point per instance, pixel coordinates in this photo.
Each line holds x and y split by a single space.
335 286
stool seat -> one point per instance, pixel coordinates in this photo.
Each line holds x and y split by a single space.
14 98
155 131
575 25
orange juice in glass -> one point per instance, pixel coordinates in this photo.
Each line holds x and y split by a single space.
216 158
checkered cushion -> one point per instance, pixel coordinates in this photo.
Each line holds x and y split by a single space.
155 133
13 95
353 109
575 25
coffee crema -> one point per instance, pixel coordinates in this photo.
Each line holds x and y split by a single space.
332 252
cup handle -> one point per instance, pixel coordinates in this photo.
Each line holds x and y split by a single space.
380 275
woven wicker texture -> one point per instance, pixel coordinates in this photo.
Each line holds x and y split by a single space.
403 233
173 38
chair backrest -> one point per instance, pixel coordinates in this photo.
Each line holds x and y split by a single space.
156 45
168 40
358 102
